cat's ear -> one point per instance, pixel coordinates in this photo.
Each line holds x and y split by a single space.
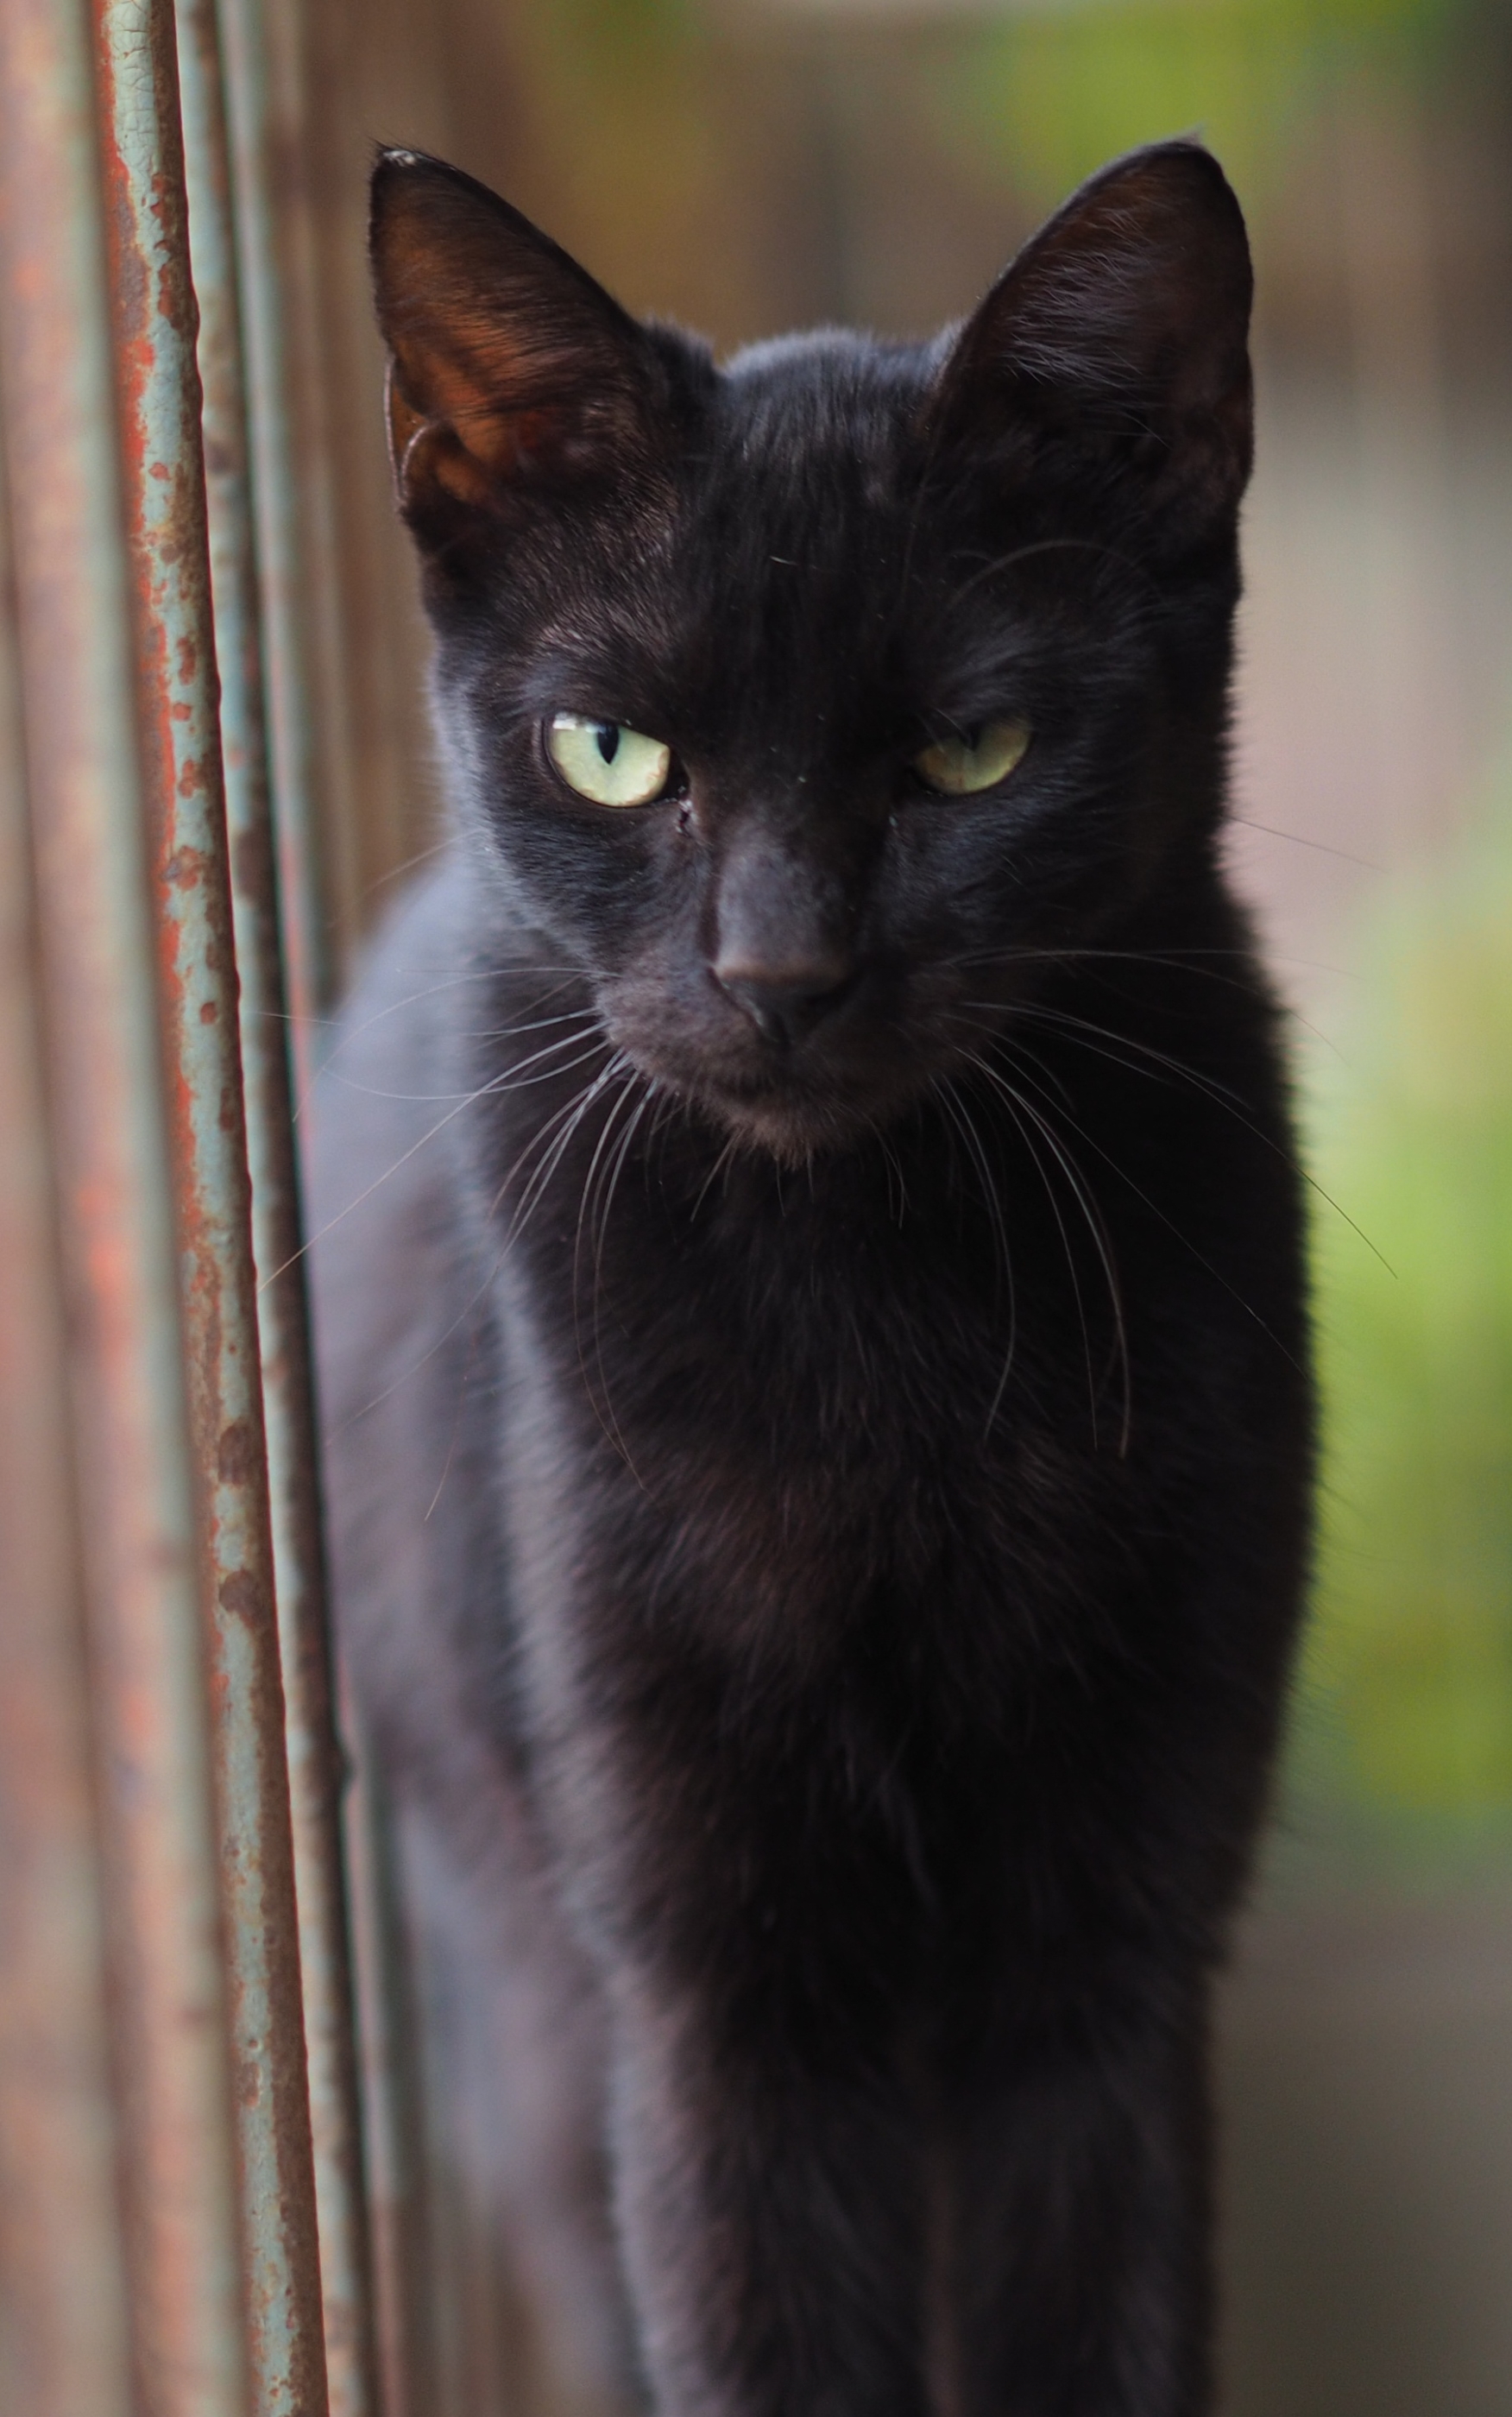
1120 335
509 369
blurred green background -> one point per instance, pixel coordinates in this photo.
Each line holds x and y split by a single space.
1405 1747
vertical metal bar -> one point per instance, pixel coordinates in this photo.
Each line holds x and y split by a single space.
404 2262
285 482
63 2328
292 510
129 1414
314 1771
158 401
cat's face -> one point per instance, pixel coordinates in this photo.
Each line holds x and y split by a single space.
817 706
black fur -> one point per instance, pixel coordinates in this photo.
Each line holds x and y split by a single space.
820 1496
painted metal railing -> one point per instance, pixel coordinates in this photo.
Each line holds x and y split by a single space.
174 1762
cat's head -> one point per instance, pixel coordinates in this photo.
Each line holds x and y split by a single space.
815 705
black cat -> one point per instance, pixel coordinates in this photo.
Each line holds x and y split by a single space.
817 1368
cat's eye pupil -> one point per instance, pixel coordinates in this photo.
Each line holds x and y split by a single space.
972 758
608 761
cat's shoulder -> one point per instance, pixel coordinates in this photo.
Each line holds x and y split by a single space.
381 1197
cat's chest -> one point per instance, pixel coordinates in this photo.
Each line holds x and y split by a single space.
816 1594
774 1453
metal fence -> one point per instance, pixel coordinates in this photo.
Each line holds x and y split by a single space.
183 2226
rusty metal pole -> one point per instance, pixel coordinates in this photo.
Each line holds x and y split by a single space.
260 43
376 2274
313 1753
111 1144
163 478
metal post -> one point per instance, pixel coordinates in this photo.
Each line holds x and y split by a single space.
158 399
389 2029
289 480
129 1412
384 2290
314 1771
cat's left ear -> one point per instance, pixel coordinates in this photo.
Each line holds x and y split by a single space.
1119 337
510 370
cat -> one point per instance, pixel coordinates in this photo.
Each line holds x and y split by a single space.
811 1307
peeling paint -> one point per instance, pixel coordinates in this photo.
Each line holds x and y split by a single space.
242 1598
238 1456
245 419
67 360
156 321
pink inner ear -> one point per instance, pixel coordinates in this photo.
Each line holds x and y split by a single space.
474 460
465 435
510 362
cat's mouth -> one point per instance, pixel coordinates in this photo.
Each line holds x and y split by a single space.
859 1072
794 1105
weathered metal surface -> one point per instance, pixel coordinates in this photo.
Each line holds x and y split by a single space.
261 48
177 700
291 447
260 44
314 1771
63 2331
129 1415
388 2030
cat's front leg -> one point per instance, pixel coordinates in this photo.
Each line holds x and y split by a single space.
1024 2237
771 2219
1075 2212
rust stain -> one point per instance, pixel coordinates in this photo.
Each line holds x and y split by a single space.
187 868
156 318
242 1598
239 1458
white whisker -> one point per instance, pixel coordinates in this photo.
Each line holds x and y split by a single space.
960 1115
1082 1193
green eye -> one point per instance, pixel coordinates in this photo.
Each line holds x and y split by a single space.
960 767
605 761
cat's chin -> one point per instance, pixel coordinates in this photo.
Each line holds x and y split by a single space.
792 1132
793 1127
794 1115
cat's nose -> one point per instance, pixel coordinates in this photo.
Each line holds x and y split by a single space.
785 1002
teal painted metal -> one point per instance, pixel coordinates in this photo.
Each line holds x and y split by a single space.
130 1417
286 484
314 1768
164 498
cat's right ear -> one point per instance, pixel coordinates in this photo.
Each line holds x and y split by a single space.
510 372
1118 342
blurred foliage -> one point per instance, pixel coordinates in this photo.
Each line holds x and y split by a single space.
1409 1666
1048 93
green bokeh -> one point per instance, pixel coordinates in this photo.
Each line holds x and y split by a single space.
1047 93
1405 1740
